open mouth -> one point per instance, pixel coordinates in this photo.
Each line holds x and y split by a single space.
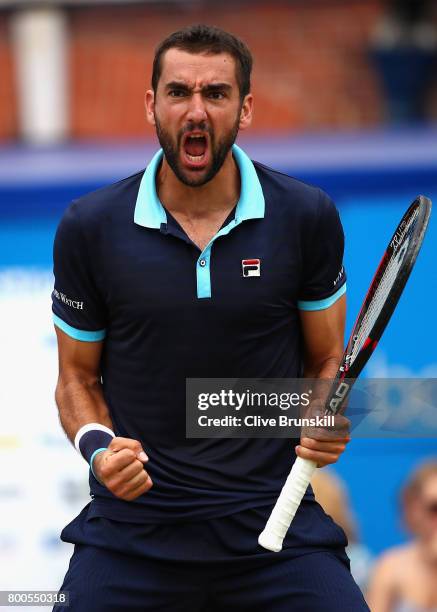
195 147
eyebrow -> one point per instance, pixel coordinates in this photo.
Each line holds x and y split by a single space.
210 87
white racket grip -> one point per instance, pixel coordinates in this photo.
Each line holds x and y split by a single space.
287 504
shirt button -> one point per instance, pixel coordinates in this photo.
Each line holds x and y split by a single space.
202 263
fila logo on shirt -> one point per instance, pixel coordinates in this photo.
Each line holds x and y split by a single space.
251 267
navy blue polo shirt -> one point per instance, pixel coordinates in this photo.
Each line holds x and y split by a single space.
127 273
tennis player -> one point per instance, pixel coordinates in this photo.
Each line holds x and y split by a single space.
151 288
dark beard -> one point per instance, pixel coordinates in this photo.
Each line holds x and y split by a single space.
219 152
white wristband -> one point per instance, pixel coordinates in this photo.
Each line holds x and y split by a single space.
90 427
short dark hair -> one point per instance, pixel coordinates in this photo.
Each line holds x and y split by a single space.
201 38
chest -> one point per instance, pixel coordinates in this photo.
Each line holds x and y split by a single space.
161 276
201 231
417 584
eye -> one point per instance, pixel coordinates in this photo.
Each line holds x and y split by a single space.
176 93
216 95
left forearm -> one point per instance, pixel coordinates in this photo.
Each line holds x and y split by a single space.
324 369
323 341
323 337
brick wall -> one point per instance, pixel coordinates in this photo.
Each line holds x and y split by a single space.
311 69
8 103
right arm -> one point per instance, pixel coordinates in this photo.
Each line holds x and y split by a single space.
80 321
79 395
80 400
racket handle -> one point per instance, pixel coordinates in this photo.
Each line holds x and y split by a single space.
287 504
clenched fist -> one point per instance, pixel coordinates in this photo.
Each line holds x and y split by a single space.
121 469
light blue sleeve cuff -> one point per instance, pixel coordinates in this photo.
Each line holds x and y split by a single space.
96 452
79 334
322 304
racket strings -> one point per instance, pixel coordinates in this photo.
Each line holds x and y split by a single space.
383 289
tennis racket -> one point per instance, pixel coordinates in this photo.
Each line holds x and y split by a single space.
378 306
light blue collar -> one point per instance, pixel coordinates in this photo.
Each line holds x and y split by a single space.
149 212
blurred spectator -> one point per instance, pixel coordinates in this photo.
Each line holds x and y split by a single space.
405 577
332 495
404 47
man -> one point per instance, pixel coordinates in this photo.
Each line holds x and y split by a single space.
150 291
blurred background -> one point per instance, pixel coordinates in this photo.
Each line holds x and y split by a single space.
345 97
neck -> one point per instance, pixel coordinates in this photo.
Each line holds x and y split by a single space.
220 194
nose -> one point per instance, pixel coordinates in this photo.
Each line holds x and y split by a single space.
196 110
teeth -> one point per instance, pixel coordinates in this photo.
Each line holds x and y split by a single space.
196 136
195 158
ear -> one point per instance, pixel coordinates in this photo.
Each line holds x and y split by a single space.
149 103
246 112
